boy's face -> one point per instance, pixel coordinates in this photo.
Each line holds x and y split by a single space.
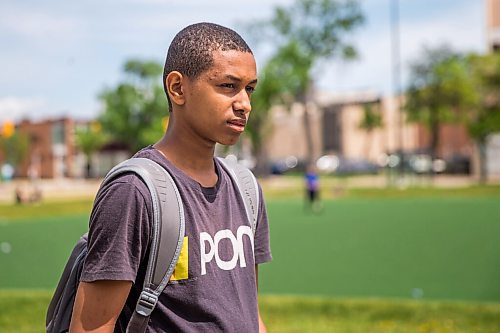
217 103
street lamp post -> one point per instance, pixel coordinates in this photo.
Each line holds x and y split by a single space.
396 78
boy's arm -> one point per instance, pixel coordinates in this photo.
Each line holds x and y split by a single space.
98 305
262 327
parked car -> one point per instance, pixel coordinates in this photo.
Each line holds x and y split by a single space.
287 164
415 162
458 164
345 166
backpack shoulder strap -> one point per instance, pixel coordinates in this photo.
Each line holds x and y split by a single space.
167 237
247 185
59 312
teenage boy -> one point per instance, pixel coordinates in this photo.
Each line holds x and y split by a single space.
209 77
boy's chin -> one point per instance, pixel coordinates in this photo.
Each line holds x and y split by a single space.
229 141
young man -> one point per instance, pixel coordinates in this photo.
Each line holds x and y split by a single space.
209 76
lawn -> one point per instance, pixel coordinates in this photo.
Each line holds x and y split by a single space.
429 257
24 312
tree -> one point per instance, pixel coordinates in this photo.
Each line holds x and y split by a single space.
14 146
135 111
439 91
307 33
270 91
484 118
90 139
372 119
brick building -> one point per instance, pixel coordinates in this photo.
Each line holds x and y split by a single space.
51 151
335 126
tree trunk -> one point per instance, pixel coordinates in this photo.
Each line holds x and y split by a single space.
434 129
368 143
261 162
88 168
306 121
483 169
260 154
308 136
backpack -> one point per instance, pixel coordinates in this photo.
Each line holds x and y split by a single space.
166 244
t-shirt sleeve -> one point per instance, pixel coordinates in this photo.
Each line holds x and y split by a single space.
262 245
118 233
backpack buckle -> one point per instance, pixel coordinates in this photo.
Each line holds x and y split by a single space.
146 303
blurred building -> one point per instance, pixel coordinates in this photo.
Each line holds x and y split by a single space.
493 40
493 24
51 152
336 127
335 123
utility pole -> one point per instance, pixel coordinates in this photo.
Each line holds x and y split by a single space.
396 81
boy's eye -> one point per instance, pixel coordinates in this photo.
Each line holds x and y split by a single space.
228 85
250 89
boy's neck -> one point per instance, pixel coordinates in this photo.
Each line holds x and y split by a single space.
194 160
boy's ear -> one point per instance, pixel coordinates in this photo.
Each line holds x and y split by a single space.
174 84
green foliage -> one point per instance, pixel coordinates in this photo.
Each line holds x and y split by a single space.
372 119
305 34
440 90
145 70
308 32
484 119
273 89
318 27
135 111
90 138
446 87
14 148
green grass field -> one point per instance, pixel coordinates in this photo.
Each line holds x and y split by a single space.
24 312
362 256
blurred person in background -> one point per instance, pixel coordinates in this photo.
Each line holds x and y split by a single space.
312 202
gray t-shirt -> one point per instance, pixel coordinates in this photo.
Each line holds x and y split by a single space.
213 287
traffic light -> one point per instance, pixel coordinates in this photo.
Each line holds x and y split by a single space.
8 129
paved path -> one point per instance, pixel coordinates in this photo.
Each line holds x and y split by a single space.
82 188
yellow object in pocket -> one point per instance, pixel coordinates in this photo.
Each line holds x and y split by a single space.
181 271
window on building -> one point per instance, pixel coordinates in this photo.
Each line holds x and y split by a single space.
332 129
58 133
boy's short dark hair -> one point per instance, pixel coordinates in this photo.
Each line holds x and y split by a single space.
190 52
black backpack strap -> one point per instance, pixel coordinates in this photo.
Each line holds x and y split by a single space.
167 237
61 306
247 185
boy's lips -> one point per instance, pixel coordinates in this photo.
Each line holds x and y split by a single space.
237 124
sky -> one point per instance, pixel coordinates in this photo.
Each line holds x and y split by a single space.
57 56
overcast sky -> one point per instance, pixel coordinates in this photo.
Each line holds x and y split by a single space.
56 56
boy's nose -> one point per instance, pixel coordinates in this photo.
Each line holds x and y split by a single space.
242 102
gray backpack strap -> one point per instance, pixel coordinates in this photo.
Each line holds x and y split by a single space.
167 237
247 185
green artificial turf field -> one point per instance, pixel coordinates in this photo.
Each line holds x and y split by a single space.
411 247
437 248
421 243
